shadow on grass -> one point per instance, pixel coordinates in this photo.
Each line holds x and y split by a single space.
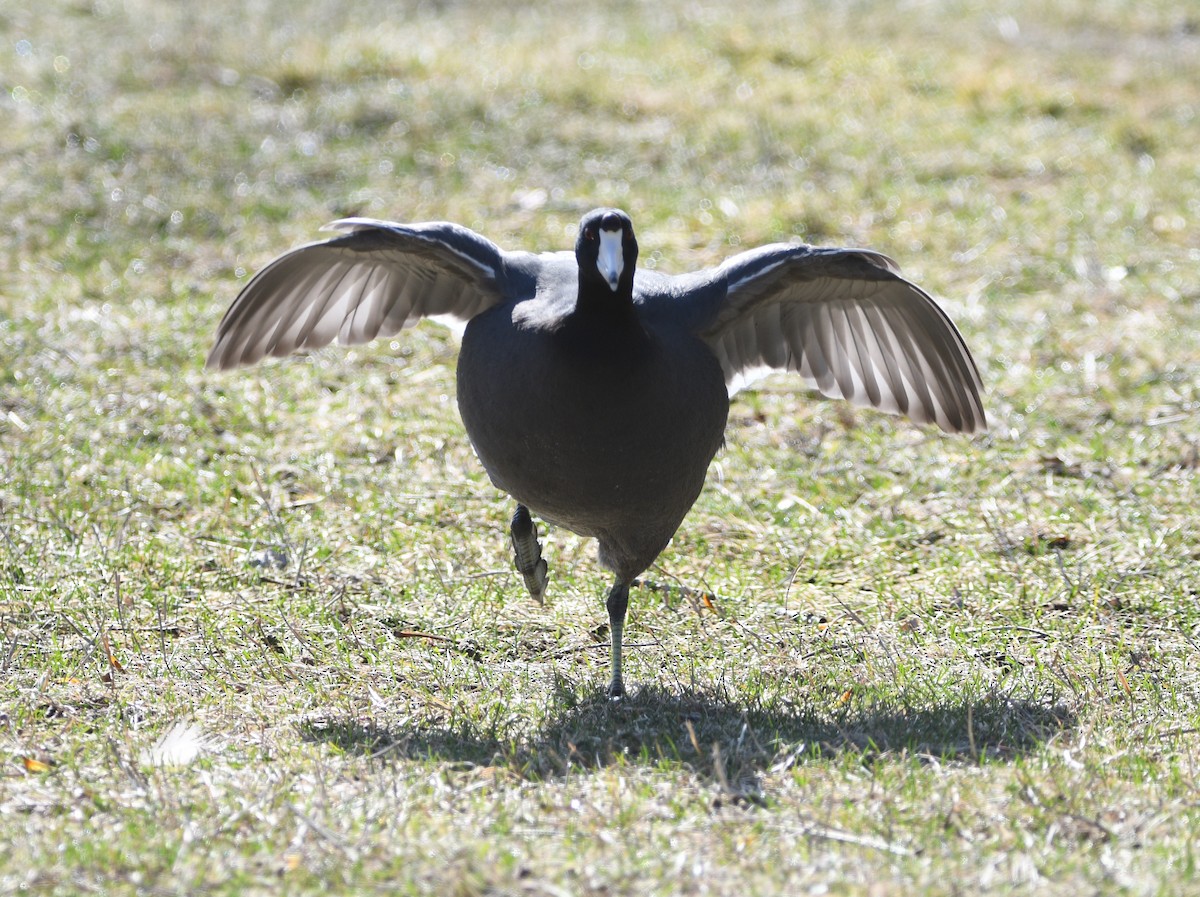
709 732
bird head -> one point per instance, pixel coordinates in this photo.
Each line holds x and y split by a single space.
606 248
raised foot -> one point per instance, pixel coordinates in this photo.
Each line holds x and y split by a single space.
527 552
616 690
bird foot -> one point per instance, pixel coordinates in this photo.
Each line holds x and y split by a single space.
527 554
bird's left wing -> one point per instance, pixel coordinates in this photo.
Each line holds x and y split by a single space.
376 279
847 322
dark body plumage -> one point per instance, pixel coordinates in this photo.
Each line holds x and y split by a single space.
595 394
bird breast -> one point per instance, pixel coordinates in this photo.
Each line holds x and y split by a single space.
592 429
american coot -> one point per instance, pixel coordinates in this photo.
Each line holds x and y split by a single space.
596 394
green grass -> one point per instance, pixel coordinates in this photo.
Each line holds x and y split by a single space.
934 664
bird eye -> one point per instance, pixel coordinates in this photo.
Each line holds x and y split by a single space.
589 233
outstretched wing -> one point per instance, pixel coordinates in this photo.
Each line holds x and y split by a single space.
847 322
375 280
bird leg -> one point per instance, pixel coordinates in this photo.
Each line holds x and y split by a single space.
618 603
527 553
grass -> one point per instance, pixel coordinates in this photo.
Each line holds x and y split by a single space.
934 665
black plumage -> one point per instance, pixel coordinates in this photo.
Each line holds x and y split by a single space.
594 393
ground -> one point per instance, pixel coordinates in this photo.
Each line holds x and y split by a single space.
260 631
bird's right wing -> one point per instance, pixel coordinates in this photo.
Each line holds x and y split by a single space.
847 322
376 279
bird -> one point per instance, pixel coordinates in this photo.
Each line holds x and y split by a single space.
596 393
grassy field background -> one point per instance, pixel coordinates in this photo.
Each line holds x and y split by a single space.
260 632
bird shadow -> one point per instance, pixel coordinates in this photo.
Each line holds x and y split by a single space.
730 742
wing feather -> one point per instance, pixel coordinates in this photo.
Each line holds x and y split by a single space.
849 324
374 280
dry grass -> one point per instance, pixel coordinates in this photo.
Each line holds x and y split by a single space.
260 632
